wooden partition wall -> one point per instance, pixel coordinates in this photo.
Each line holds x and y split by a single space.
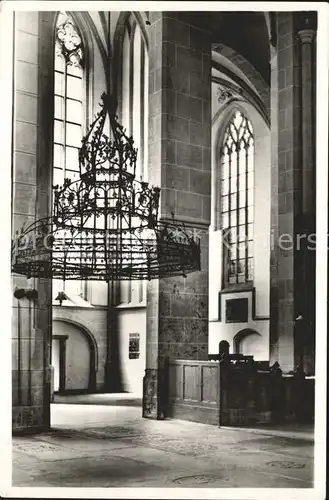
194 391
237 391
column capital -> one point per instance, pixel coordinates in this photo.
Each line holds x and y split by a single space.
306 36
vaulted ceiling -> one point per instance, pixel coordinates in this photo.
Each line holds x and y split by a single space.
245 32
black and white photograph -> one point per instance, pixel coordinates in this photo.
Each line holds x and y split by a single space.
164 201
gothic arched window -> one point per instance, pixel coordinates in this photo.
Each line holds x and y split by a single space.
69 101
134 95
135 91
69 98
237 199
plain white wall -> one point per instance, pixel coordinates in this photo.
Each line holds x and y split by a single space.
132 321
77 355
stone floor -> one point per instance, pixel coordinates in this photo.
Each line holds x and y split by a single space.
94 445
120 399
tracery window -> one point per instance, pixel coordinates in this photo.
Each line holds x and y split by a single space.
135 92
69 100
237 199
134 95
68 109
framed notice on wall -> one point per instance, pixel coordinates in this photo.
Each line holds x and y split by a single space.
134 351
237 310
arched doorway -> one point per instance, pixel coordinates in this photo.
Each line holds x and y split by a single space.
74 358
247 342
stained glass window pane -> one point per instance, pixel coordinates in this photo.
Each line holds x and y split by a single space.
250 197
241 266
242 198
242 182
59 62
233 184
74 70
250 158
250 179
224 203
73 135
73 175
74 88
58 156
242 249
234 164
59 83
58 178
59 131
100 222
225 221
242 161
59 108
74 111
72 158
242 232
229 142
233 201
242 216
233 218
233 235
250 214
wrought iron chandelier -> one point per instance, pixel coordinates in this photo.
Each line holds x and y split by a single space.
105 225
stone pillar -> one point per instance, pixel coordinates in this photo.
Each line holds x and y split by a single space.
286 193
113 381
31 318
274 255
179 162
293 196
306 325
307 38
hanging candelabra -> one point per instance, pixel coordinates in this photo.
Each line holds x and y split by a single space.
105 225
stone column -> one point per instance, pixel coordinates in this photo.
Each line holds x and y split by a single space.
307 38
286 193
293 195
306 323
31 318
179 162
274 208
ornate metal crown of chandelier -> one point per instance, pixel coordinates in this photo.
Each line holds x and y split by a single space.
105 224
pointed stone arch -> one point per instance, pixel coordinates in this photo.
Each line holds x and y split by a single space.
240 336
249 71
139 19
93 350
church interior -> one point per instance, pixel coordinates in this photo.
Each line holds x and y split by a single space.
224 126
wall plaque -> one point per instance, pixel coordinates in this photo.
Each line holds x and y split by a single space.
237 310
134 351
